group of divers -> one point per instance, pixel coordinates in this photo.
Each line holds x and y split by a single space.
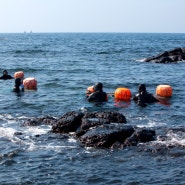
18 87
141 98
97 95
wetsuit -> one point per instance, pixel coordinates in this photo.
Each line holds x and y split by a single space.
19 87
98 96
144 97
6 77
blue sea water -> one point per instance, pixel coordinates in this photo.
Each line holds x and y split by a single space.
65 64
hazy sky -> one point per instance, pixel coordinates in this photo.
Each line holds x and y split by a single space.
92 16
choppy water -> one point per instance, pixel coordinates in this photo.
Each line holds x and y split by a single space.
65 64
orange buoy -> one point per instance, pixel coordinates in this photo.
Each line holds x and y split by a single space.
164 91
89 90
122 93
19 74
30 83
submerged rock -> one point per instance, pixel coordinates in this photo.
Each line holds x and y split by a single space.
175 55
47 120
170 142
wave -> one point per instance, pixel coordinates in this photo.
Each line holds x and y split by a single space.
7 133
24 51
140 60
29 51
103 53
110 52
173 138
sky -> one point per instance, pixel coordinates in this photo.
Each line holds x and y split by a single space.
146 16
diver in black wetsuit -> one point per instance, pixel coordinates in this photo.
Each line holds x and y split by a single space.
6 76
18 87
143 96
98 95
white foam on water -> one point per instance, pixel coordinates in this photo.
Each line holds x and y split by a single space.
6 117
140 60
147 122
176 138
26 136
72 140
7 133
56 148
31 132
151 124
172 139
36 130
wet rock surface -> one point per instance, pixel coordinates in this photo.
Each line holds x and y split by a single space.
104 129
172 56
95 119
108 129
106 135
69 122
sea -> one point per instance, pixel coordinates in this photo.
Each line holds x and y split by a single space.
64 65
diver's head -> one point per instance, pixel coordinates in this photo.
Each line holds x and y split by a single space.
5 72
98 86
142 88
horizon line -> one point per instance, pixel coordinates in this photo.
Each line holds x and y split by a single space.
32 32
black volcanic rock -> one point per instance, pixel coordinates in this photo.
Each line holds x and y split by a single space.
103 129
175 55
140 136
69 122
105 136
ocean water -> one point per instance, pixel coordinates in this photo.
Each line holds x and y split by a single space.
65 64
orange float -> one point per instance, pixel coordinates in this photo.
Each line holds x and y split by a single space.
164 91
19 74
89 90
30 83
122 93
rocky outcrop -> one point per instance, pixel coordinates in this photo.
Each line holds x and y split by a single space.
105 129
175 55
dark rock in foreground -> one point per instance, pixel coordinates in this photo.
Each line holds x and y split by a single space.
97 129
95 119
175 55
105 136
140 135
69 122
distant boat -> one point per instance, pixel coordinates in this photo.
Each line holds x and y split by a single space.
29 32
